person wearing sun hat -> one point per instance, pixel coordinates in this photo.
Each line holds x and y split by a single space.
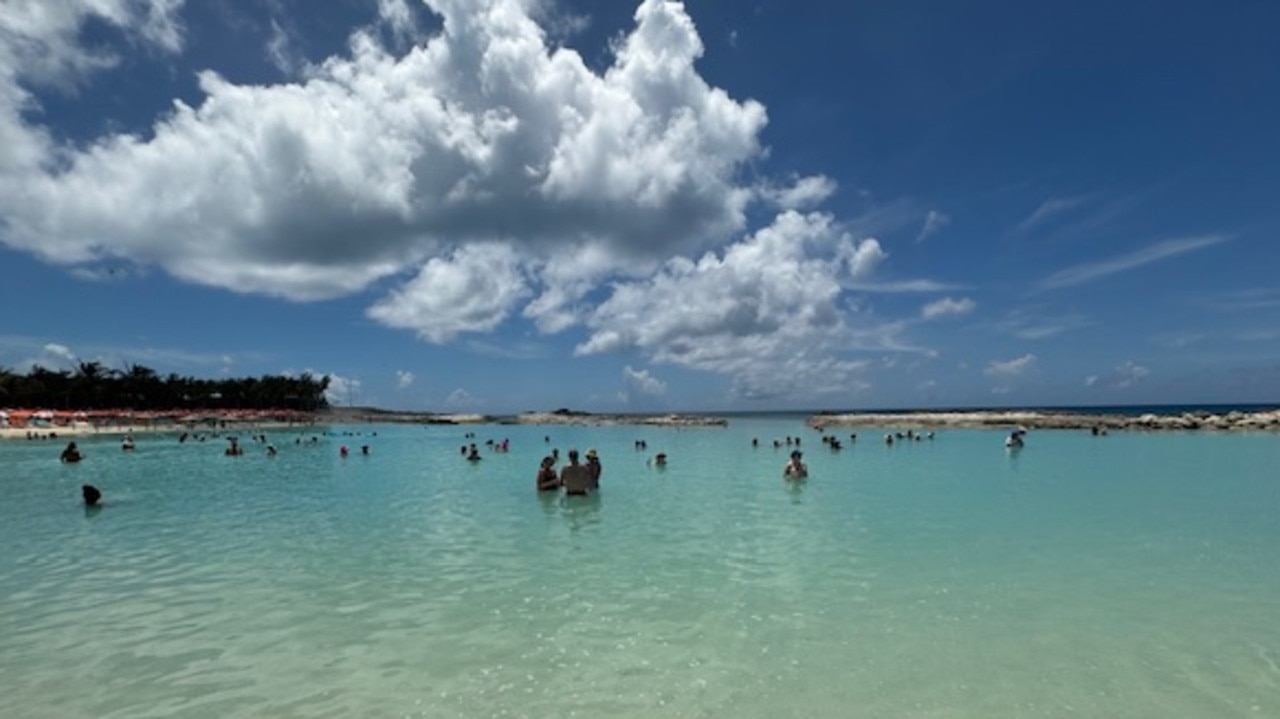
594 468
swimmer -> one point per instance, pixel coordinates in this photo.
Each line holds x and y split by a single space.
796 468
71 454
91 495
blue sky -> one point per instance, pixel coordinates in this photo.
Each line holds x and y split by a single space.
505 205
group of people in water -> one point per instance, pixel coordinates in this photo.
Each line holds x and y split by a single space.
576 478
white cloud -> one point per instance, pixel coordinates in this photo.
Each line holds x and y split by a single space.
485 172
460 399
1128 373
399 16
376 163
342 391
40 48
1122 377
906 286
49 355
1096 270
805 193
1010 368
934 222
404 378
947 307
643 382
1032 323
471 291
280 50
863 257
61 352
764 313
1047 210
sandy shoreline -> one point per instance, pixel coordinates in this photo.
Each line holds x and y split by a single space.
1034 419
88 429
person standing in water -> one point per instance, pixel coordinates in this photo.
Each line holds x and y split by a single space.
547 478
795 468
595 468
575 477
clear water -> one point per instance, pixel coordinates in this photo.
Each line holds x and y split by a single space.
1134 575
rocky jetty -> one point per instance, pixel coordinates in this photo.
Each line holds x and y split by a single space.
1267 420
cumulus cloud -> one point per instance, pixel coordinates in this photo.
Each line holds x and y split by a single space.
342 391
404 378
1010 368
764 312
473 290
948 307
40 49
643 382
863 257
375 162
482 175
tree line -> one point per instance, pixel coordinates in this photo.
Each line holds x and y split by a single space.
94 386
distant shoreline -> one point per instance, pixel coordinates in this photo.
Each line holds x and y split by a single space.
1235 420
558 417
243 420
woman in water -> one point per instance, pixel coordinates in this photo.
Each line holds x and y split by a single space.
548 480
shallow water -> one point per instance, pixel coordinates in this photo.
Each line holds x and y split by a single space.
1133 575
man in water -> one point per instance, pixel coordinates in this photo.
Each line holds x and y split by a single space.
71 454
575 477
91 495
795 468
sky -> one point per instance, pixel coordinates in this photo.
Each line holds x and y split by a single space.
720 205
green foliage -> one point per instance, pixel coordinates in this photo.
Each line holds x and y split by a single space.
92 386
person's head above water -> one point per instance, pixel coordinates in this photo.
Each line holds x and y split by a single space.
91 495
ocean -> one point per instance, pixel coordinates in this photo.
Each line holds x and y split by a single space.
1131 575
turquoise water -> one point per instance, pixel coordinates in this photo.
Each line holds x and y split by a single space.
1134 575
